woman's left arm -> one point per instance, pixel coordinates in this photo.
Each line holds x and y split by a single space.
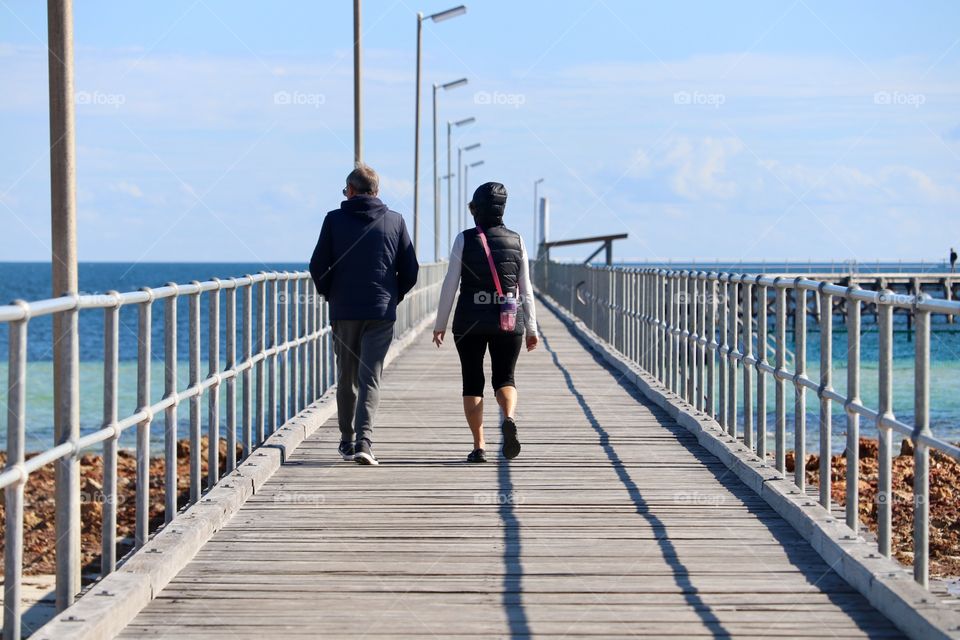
526 296
448 291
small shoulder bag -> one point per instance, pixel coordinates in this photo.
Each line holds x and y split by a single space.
508 303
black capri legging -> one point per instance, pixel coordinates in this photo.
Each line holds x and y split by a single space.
504 351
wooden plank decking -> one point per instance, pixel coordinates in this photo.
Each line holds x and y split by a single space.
612 522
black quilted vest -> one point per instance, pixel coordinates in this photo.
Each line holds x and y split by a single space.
477 310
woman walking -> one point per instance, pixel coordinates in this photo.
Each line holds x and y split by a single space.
490 268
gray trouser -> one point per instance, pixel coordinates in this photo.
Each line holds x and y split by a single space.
360 347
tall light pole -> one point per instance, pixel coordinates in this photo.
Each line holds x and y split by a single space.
450 125
536 183
436 17
461 217
436 180
66 354
357 111
466 178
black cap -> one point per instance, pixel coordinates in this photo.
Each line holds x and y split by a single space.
490 194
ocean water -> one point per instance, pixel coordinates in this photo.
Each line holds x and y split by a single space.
31 281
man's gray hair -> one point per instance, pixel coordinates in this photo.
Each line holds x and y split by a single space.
364 180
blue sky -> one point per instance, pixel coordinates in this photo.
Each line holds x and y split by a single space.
735 130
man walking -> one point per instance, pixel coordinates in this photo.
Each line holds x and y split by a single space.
363 265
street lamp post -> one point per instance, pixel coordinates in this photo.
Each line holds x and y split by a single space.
357 111
436 180
450 125
436 17
536 183
466 178
461 188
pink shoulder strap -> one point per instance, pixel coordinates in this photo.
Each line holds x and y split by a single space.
493 267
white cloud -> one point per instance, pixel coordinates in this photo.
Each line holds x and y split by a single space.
128 188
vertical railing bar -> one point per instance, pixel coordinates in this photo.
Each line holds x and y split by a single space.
732 354
111 366
921 452
144 376
779 383
272 371
722 350
230 345
853 418
246 394
261 347
170 416
195 400
16 454
826 385
800 391
746 293
712 346
761 374
302 349
885 410
213 399
284 354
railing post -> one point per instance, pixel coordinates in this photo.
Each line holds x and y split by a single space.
284 354
213 399
885 411
247 390
826 385
761 374
170 415
724 334
111 367
144 376
13 494
732 354
746 292
779 382
272 370
302 348
195 400
800 391
710 285
703 341
671 335
230 301
921 452
261 347
852 507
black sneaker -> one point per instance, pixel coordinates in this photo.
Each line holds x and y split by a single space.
346 450
364 455
477 455
511 446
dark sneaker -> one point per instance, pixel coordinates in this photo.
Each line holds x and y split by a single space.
477 455
364 455
511 445
346 450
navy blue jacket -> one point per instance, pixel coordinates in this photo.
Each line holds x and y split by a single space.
364 262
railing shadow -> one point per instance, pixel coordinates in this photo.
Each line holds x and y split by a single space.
681 575
794 546
512 593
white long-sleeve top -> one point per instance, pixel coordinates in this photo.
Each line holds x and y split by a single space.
451 284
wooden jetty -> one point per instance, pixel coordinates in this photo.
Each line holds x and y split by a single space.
613 522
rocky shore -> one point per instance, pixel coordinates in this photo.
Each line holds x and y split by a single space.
38 525
944 503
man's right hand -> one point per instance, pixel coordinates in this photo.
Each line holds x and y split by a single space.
438 337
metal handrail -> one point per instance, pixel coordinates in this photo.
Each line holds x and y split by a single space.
285 363
683 327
